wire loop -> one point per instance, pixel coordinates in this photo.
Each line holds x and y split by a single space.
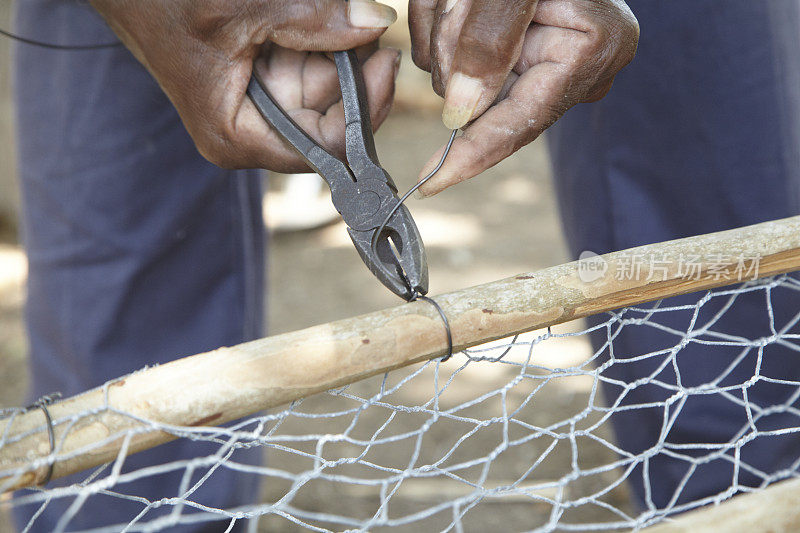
42 404
446 322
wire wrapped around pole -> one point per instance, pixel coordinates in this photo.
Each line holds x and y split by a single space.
147 408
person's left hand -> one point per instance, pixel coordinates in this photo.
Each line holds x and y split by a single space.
509 69
204 52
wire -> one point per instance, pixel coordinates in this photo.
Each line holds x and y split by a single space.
379 231
414 295
42 404
53 46
446 322
424 180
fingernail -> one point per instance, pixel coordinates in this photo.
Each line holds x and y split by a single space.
449 5
370 14
461 98
418 195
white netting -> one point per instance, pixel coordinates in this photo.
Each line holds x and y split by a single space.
515 435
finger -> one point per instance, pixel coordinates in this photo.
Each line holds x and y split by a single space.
254 140
321 88
510 81
534 102
583 15
257 142
365 51
594 66
380 72
380 76
449 18
599 92
284 76
489 45
602 40
324 25
328 129
420 25
548 44
320 83
362 51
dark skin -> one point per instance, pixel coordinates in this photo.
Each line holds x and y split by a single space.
508 70
202 53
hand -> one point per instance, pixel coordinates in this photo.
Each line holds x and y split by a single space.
512 68
203 52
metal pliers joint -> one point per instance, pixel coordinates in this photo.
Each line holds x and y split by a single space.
361 190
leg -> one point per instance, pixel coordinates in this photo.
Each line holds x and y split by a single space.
140 251
701 133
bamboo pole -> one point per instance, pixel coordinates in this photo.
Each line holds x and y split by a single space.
773 509
230 383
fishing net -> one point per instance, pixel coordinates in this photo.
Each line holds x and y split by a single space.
517 434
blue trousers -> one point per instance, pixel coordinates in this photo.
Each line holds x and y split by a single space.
700 133
140 251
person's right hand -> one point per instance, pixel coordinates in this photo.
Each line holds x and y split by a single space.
202 53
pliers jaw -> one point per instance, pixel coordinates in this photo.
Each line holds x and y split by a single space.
396 256
382 230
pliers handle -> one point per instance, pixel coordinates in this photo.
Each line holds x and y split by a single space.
361 189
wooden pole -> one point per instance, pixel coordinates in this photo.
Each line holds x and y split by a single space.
230 383
773 509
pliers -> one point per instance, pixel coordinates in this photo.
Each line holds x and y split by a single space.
361 190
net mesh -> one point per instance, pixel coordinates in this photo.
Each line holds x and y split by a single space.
517 434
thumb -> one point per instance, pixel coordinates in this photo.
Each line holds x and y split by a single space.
489 45
328 25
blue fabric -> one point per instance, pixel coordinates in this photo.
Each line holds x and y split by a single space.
140 251
698 134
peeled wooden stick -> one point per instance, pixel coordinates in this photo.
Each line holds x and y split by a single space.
230 383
